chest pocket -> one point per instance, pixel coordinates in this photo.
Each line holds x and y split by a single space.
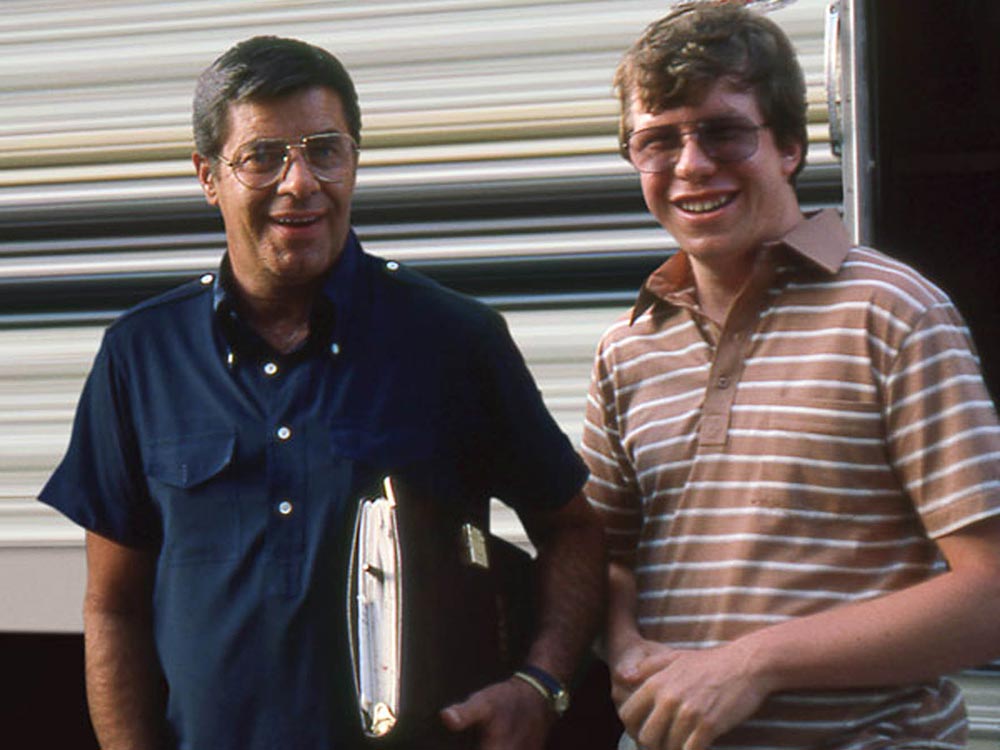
190 483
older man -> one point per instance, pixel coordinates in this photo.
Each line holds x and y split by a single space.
228 428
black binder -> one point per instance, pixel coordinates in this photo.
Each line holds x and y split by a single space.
437 608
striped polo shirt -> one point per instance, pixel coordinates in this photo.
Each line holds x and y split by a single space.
801 457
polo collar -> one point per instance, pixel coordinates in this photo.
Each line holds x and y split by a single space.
820 238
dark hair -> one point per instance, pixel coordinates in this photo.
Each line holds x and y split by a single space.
679 57
265 67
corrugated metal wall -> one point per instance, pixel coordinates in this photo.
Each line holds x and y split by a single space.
488 156
469 106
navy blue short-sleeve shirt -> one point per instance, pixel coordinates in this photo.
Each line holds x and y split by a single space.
242 468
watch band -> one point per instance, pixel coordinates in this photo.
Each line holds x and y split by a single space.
547 685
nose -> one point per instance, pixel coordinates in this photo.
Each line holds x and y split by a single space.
692 162
297 178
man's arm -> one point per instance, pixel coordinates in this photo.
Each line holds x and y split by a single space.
673 699
570 565
125 690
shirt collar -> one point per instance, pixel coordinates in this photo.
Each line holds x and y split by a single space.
342 280
820 238
337 293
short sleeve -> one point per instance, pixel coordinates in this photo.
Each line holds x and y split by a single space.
99 484
534 464
943 435
611 489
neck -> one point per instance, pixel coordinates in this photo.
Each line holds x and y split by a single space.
720 280
718 288
282 320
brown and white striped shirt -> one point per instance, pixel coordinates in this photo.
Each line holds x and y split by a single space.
804 456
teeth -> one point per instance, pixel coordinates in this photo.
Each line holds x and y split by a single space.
700 207
308 220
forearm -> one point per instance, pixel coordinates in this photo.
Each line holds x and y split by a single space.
933 628
125 691
571 596
124 683
621 626
912 635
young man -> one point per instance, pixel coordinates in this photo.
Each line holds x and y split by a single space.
790 443
229 427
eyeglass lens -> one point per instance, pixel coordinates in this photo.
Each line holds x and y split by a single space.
657 149
261 163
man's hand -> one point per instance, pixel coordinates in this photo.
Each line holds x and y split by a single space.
508 715
626 666
673 699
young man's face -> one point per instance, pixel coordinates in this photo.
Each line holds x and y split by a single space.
721 211
288 234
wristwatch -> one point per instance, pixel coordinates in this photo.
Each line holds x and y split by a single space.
549 686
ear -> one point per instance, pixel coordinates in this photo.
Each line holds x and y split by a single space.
791 155
206 178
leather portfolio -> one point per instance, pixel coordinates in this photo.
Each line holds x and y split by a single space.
437 608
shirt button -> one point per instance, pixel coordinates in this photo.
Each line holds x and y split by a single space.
284 433
270 369
207 279
392 265
334 348
285 508
722 382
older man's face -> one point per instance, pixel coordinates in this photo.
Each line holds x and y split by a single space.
288 235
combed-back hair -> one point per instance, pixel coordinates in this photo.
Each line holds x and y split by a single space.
265 67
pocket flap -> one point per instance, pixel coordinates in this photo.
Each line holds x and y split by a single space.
190 460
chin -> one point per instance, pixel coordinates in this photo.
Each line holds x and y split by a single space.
305 259
709 247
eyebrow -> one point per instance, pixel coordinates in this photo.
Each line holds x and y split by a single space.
281 139
734 119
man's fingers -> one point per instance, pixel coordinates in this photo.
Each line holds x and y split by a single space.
634 710
636 667
653 662
682 733
461 716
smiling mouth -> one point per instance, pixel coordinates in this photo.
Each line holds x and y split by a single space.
296 221
704 206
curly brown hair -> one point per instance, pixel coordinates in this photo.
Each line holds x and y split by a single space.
679 57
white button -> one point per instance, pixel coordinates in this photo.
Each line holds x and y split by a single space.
334 348
285 508
207 279
270 369
284 433
392 265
